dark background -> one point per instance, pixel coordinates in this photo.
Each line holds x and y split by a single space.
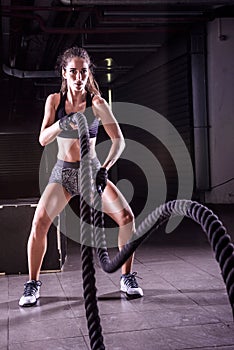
152 53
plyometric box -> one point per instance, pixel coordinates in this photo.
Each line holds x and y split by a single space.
16 221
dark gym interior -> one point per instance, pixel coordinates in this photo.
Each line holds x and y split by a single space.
167 70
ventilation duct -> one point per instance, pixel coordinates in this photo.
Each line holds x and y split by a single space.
17 73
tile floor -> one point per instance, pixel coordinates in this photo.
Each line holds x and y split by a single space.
185 305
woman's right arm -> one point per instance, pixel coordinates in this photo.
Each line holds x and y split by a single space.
49 128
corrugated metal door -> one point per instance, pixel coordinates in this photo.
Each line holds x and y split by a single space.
166 90
20 155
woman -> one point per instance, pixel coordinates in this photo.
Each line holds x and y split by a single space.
78 90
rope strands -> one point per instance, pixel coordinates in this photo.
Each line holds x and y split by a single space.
216 233
88 270
91 215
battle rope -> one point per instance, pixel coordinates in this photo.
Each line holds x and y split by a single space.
216 233
88 271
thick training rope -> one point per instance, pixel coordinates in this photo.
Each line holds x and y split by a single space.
216 233
88 271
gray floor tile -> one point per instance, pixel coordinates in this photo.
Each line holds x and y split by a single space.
4 310
207 296
222 312
47 308
3 288
75 343
114 303
222 347
179 316
135 340
185 304
45 329
3 333
154 299
200 336
196 283
77 306
120 322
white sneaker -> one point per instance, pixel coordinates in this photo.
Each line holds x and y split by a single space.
31 293
129 285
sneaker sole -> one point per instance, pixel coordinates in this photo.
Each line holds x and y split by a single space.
30 304
132 296
124 290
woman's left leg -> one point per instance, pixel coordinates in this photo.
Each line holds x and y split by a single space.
116 206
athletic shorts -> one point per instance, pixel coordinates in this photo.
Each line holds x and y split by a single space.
68 174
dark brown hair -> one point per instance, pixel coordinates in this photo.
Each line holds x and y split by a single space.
75 51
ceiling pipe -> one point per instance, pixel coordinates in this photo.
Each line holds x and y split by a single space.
96 30
17 73
146 2
156 20
121 47
45 8
125 16
22 74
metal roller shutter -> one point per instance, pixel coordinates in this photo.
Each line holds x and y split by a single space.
20 155
167 90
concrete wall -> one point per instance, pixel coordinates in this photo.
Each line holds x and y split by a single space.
220 65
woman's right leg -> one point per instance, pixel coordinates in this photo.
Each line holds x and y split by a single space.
51 203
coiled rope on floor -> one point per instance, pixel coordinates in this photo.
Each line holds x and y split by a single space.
216 233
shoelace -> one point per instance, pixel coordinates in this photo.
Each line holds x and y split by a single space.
130 280
30 288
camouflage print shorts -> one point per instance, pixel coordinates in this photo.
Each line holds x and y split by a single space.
68 175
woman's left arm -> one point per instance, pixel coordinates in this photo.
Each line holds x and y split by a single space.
102 111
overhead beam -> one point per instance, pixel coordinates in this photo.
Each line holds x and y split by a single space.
146 2
96 30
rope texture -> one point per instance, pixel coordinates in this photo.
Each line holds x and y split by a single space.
216 233
88 270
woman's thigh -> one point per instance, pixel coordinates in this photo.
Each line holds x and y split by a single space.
52 202
115 204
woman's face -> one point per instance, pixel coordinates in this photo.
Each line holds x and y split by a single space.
76 73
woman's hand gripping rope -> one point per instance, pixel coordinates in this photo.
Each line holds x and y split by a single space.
101 179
